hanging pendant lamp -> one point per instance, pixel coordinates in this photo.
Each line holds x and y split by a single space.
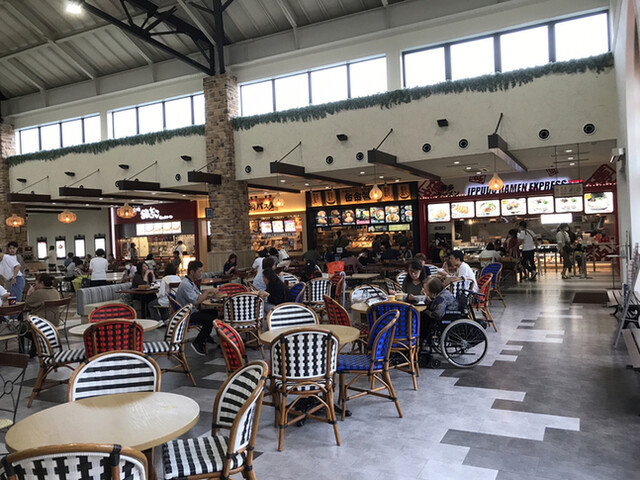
126 211
495 184
278 201
375 193
67 217
14 221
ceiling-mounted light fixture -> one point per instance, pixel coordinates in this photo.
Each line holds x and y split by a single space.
126 211
186 158
258 148
14 221
22 180
124 166
278 202
443 122
375 193
70 174
74 7
67 216
495 184
342 137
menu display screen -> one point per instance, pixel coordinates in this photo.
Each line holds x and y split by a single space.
334 218
540 204
362 216
392 214
290 226
514 206
265 227
321 218
463 210
348 217
377 215
569 204
277 226
488 208
598 202
439 212
406 213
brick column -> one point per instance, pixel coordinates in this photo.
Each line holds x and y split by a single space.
8 148
230 201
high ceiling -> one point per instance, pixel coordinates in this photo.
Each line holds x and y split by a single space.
42 46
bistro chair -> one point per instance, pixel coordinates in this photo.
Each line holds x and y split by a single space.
290 278
338 315
481 302
233 350
50 354
291 315
175 308
433 270
374 365
392 286
232 288
76 461
12 385
367 294
337 287
110 335
400 278
245 313
304 366
59 309
172 346
298 292
111 311
109 373
16 328
316 289
496 270
406 340
237 409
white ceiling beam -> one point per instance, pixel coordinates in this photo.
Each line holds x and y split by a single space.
292 21
27 74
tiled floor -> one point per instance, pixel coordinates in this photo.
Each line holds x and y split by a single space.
551 400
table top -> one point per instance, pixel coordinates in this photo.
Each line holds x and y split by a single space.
146 323
344 333
139 291
363 307
140 420
362 276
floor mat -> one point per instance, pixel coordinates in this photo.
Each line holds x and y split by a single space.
590 297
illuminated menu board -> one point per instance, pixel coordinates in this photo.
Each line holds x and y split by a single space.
463 210
362 216
278 226
513 206
537 205
488 208
439 212
598 202
569 204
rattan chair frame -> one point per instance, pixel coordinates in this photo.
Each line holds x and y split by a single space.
232 352
482 303
130 311
372 288
252 328
90 336
63 313
495 282
302 307
232 288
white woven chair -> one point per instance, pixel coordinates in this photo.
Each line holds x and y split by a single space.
291 315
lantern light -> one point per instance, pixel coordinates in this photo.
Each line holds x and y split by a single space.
126 211
67 216
278 202
14 221
375 193
496 184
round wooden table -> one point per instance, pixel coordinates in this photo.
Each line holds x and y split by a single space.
363 307
146 323
140 420
343 333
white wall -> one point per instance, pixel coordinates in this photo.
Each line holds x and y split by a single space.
89 223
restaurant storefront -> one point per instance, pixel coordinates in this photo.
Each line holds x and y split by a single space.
278 222
467 216
360 219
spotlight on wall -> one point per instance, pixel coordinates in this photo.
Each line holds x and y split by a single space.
443 122
342 137
22 180
70 174
124 166
258 148
186 158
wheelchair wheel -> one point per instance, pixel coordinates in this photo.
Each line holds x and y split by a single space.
464 343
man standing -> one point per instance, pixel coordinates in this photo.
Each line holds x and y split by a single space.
180 248
52 259
10 270
527 239
188 292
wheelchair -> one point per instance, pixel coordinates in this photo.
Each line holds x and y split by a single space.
459 337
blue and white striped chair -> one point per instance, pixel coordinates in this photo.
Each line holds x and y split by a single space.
289 277
173 344
77 460
304 365
245 313
433 270
237 408
50 354
400 278
291 315
121 371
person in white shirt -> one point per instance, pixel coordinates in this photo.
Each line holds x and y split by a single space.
180 248
52 260
98 267
528 241
10 270
258 281
563 243
463 270
489 255
170 276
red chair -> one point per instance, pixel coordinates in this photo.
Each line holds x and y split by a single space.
112 311
481 303
232 288
111 335
233 351
339 316
337 282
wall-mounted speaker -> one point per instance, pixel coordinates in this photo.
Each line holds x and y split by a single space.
463 143
543 134
329 159
178 177
247 169
359 156
426 148
589 128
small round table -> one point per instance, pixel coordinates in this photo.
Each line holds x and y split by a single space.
146 323
343 333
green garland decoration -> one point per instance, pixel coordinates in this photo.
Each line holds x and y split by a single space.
487 83
101 147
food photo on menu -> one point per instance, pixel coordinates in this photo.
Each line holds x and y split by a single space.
569 204
334 217
487 208
392 214
377 215
462 210
601 202
406 212
362 216
514 206
439 212
321 218
540 204
348 217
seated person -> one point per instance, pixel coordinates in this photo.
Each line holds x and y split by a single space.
462 270
144 276
40 292
441 303
129 272
351 263
311 271
423 260
364 258
113 263
389 253
150 262
276 292
188 292
231 264
405 253
162 298
414 281
489 255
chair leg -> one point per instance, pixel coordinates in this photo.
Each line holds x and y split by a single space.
283 420
42 374
501 297
392 391
331 413
342 397
182 358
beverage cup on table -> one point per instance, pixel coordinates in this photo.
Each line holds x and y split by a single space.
11 300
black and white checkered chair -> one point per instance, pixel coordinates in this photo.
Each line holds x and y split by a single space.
245 313
291 315
316 290
122 371
51 354
173 344
76 461
303 365
237 408
368 294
